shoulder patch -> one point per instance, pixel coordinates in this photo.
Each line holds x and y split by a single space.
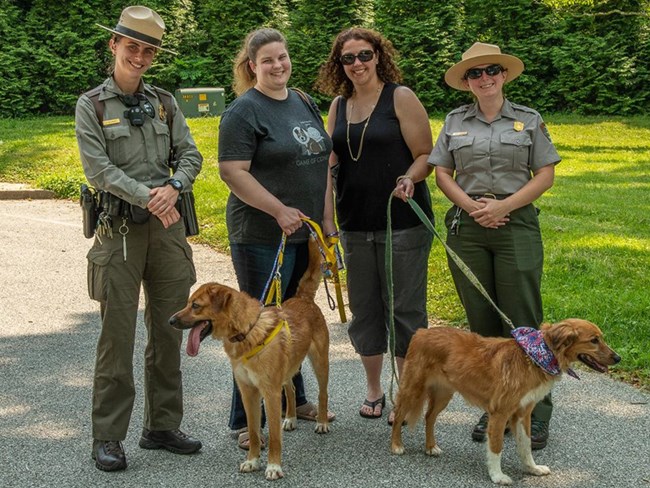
544 130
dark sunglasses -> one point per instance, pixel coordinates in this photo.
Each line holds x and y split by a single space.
364 56
475 73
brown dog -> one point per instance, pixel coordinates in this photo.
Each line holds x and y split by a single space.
494 374
266 346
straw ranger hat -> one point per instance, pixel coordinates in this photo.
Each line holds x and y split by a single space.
141 24
481 53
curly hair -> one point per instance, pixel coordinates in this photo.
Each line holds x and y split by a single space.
243 76
332 79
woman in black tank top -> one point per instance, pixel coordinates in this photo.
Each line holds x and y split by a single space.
382 139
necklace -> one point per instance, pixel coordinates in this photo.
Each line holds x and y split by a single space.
363 132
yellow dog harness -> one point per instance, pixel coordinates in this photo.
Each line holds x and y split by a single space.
253 352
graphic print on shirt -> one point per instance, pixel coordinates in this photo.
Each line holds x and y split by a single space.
309 138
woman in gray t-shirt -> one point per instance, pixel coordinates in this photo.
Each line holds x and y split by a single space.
273 155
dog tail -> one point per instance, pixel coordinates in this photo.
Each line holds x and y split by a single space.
310 281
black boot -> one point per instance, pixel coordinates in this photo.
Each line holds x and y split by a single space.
538 434
173 440
108 455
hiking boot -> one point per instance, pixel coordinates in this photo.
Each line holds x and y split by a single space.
480 429
538 434
108 455
173 440
479 434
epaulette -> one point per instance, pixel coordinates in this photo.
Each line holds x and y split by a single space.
461 109
523 108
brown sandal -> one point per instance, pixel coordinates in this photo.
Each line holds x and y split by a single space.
244 441
309 411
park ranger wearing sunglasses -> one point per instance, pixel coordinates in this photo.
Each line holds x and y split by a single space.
493 159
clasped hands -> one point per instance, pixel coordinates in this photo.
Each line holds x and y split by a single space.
490 213
162 204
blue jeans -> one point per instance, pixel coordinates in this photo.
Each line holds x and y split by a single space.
253 264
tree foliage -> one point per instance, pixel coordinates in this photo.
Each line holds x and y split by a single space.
584 56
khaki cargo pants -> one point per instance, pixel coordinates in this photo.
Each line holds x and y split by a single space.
161 260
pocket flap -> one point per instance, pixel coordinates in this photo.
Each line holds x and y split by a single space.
516 139
456 142
160 127
98 256
115 132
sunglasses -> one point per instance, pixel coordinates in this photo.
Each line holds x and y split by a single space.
364 56
475 73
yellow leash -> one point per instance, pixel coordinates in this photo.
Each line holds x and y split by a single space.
328 247
275 290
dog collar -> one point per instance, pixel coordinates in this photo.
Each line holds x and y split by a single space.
532 342
241 336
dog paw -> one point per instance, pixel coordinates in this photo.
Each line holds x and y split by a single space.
395 449
250 465
274 472
290 423
501 479
433 451
322 428
538 470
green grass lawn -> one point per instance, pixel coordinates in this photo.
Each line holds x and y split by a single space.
595 219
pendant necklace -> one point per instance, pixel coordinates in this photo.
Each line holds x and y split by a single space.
363 132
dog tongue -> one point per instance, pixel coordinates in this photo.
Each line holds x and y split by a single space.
194 341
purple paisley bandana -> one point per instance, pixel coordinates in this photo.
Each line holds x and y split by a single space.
532 342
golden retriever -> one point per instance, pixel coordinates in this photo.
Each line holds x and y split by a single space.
494 374
266 346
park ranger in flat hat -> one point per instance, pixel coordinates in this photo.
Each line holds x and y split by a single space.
493 159
125 134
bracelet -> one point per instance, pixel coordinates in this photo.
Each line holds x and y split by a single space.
403 177
332 234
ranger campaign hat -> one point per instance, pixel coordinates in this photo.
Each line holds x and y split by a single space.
141 24
481 53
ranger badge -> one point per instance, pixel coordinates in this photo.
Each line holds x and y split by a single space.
162 113
518 126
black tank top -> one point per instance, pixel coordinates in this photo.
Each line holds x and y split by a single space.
364 186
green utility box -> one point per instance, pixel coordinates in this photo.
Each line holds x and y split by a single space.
201 102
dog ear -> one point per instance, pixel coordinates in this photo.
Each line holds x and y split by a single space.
219 297
559 336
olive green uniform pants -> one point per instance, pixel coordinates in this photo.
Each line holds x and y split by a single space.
508 263
161 260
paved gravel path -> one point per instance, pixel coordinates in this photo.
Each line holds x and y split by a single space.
600 434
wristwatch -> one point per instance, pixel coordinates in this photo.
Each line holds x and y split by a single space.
175 184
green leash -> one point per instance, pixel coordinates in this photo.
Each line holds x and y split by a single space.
389 279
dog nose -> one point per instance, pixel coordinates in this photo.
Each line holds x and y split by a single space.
616 358
173 320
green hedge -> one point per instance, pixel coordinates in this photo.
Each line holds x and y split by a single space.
582 56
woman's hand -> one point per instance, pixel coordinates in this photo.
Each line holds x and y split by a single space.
405 188
289 219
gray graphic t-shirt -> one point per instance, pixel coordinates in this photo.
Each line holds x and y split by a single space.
289 150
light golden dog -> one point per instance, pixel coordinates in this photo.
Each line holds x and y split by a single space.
494 374
266 346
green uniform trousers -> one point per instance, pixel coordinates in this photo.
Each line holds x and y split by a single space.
508 262
161 260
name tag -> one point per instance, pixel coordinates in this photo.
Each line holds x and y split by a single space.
464 133
111 122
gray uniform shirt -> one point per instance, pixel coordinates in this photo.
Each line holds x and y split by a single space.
496 157
128 161
288 148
